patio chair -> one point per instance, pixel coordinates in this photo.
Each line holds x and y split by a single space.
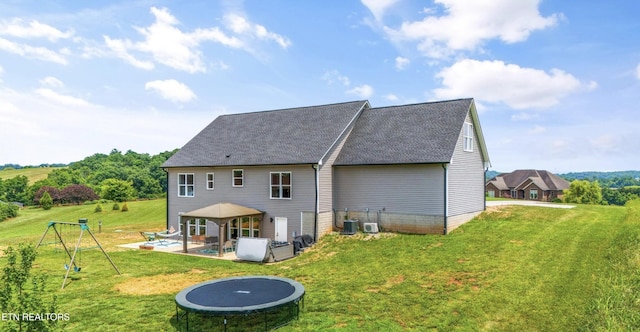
162 236
228 246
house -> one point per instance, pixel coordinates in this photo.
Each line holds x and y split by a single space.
529 184
414 168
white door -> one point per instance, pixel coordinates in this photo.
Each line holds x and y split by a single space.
281 229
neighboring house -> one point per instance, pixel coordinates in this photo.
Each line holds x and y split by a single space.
528 184
415 168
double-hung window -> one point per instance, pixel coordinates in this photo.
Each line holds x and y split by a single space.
533 194
186 186
468 137
280 185
237 178
210 181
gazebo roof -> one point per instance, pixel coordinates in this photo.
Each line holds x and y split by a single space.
222 211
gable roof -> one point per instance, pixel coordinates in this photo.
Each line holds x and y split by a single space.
288 136
544 180
417 133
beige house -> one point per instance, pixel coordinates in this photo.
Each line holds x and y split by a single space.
528 184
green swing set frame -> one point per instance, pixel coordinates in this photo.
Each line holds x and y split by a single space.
83 227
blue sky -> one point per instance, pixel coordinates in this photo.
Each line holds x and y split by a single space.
557 83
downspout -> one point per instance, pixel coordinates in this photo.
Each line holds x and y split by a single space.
317 203
446 200
167 197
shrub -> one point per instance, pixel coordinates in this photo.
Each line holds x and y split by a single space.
22 293
54 193
98 208
77 193
46 201
8 210
116 206
125 207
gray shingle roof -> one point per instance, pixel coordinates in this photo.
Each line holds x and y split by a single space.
543 179
417 133
289 136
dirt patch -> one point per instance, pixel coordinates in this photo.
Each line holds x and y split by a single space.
162 284
393 281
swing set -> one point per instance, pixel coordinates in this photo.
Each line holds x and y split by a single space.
82 224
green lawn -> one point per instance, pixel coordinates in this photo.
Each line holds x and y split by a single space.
512 269
34 174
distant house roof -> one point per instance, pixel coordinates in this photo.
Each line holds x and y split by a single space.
544 180
417 133
289 136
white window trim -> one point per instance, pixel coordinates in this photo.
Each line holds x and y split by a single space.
280 185
233 178
212 181
467 141
186 185
531 193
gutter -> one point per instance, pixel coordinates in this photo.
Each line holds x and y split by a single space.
446 200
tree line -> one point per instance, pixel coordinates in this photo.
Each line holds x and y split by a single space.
115 176
615 191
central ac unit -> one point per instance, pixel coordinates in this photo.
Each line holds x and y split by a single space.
350 227
370 227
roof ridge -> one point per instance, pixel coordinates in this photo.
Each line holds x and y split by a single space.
295 108
423 103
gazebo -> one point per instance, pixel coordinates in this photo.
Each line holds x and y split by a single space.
219 213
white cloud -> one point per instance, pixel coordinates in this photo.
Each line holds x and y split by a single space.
391 97
240 25
171 90
34 29
638 72
363 91
52 82
40 53
378 7
61 99
169 45
467 25
333 76
497 82
537 130
402 63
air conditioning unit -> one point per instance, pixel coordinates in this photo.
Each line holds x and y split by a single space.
350 227
370 227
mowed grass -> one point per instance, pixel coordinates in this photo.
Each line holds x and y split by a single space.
34 174
512 269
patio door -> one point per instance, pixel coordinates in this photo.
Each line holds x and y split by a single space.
281 229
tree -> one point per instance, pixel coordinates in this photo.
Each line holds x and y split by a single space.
21 293
77 194
117 190
583 192
54 194
46 201
15 188
8 210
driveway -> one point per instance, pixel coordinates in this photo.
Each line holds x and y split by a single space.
529 203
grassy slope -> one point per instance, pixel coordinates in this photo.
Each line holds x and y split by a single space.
34 174
513 269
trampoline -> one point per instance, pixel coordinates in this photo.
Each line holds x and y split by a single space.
258 296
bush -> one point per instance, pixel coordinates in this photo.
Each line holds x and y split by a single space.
46 201
125 207
98 208
8 210
22 293
116 207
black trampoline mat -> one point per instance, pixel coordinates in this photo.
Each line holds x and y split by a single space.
240 294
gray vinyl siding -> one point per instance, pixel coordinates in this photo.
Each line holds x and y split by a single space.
409 189
466 178
255 193
326 177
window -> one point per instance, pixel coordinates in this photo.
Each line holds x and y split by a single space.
243 227
491 193
280 184
533 194
197 227
186 187
237 178
210 181
468 136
